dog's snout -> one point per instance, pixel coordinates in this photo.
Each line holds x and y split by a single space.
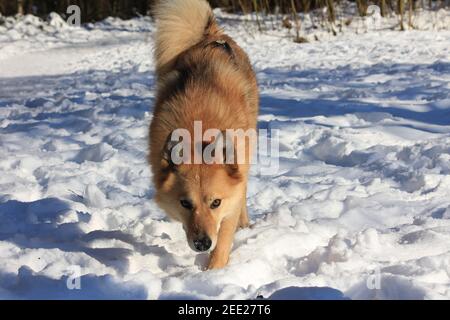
203 243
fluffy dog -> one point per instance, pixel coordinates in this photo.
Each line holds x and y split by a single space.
202 76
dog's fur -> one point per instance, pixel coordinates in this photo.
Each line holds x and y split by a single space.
203 75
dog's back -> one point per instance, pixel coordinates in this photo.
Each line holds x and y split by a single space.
203 75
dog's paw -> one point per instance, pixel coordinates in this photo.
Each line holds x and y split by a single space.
243 225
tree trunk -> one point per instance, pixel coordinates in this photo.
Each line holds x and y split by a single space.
362 7
331 11
20 10
297 21
401 10
410 12
256 8
383 9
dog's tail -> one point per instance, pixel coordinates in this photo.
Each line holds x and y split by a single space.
180 25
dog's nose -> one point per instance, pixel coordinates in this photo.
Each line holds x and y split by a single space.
202 244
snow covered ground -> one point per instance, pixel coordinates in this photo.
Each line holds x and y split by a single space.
360 205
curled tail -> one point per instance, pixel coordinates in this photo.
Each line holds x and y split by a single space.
180 25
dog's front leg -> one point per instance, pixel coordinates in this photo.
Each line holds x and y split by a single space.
220 255
243 217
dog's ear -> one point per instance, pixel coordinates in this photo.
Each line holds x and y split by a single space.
220 150
233 171
167 162
230 158
231 165
165 179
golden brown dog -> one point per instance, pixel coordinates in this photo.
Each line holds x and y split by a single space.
203 76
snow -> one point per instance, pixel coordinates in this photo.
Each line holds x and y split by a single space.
307 293
359 207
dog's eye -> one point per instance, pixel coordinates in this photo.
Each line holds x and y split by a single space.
186 204
216 203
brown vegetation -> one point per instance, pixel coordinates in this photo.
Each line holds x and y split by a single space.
94 10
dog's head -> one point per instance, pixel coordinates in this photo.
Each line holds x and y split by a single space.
200 196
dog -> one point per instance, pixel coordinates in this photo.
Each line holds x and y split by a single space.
203 76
